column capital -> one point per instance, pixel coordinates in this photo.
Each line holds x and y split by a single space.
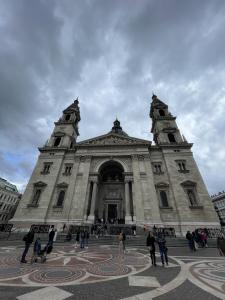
128 179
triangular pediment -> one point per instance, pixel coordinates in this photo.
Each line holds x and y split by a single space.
113 139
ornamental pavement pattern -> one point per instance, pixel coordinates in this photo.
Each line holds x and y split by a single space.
101 273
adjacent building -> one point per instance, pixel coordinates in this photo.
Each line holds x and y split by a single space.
219 205
9 199
117 177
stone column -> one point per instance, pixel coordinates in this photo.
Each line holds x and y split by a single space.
93 201
128 218
132 202
87 201
137 191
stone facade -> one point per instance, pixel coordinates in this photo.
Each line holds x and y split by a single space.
9 199
219 205
117 177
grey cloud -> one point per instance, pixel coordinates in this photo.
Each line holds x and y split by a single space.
111 54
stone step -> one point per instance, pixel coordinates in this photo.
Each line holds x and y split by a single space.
139 240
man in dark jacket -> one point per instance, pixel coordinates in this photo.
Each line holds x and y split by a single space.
162 248
150 242
28 239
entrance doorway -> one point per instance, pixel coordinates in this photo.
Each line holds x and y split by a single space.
112 212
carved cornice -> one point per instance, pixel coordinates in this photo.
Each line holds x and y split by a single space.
162 185
113 139
62 185
40 184
188 183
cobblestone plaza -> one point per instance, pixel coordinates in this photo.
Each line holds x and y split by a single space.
100 272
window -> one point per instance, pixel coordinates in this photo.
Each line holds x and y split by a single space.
157 168
60 199
38 189
191 193
67 118
163 198
57 141
171 138
161 112
181 164
68 169
191 197
36 197
162 189
46 168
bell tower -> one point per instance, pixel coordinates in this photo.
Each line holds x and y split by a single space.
164 127
66 131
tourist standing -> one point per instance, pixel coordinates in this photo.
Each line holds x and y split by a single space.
124 241
28 239
162 249
191 241
150 242
221 244
120 238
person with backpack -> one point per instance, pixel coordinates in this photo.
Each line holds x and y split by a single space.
28 239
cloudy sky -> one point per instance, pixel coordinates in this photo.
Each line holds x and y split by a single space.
112 54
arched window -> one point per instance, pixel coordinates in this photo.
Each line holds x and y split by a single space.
57 141
192 197
60 198
161 112
164 200
171 138
67 117
36 197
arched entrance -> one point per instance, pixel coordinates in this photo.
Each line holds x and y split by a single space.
111 205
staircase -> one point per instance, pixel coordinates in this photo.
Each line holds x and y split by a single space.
131 241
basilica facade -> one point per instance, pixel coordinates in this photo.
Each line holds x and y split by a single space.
117 178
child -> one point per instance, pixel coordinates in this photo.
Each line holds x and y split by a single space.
37 250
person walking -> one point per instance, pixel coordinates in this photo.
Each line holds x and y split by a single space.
162 249
124 241
82 236
86 238
221 244
55 236
191 241
150 242
36 251
28 239
51 237
77 240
